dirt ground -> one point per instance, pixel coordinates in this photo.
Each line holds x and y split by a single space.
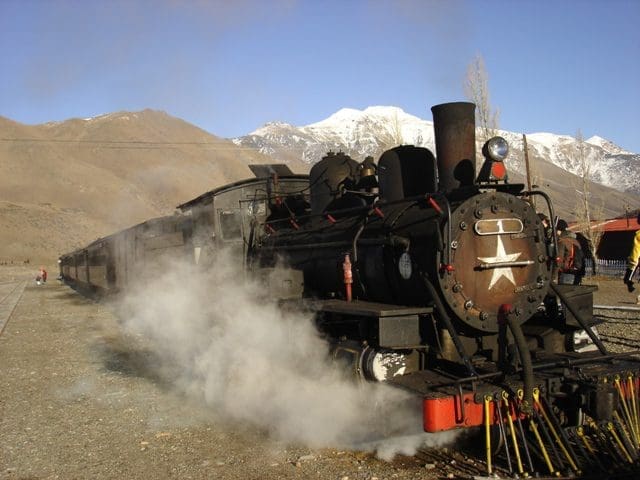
76 402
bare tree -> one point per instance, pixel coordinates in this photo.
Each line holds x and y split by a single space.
589 216
476 88
392 137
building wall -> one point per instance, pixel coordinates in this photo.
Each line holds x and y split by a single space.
615 245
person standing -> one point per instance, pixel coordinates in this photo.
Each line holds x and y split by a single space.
580 262
632 260
568 250
42 276
546 227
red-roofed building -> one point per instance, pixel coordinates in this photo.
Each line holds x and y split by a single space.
617 237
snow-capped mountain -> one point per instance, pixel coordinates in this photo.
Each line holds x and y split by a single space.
360 133
609 164
356 132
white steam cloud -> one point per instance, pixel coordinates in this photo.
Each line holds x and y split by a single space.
226 345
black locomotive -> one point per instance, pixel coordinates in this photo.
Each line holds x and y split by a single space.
424 275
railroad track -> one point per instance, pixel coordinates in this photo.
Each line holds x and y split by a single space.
10 295
452 463
619 328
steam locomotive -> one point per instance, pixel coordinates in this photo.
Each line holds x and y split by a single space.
424 275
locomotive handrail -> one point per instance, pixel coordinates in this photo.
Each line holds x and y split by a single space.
587 328
447 260
391 240
363 208
519 263
552 216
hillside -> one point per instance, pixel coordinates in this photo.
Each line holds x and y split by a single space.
65 184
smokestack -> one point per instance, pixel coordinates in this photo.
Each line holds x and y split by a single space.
454 126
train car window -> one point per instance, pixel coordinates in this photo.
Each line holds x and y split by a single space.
230 224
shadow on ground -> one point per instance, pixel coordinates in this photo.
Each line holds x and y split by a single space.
119 355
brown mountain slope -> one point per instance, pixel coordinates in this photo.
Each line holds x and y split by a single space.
65 184
563 187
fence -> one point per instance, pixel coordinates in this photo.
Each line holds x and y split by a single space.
607 268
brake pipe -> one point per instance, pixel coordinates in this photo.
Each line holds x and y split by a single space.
561 431
549 440
516 450
624 437
503 433
627 388
536 399
487 432
585 440
625 407
613 432
625 431
543 449
605 441
632 393
519 395
588 446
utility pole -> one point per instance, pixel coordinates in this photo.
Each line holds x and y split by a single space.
526 163
526 160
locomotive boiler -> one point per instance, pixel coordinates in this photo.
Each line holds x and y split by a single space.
425 274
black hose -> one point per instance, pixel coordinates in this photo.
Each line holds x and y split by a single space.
525 359
442 313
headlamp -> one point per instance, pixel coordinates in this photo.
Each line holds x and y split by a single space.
497 149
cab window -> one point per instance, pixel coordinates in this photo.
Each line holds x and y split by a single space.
230 224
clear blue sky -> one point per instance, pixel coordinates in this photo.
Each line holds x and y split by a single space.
230 66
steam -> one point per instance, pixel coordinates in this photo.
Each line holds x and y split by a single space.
224 344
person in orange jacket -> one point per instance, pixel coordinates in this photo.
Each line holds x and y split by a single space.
42 276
